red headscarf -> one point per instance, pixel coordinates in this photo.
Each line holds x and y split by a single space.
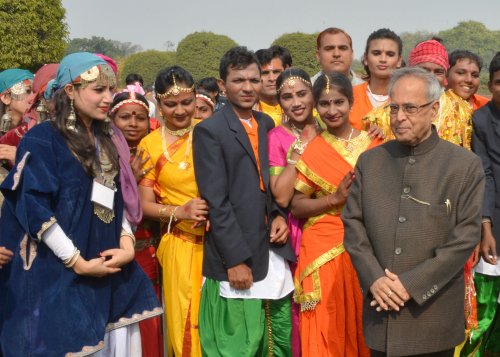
429 51
42 77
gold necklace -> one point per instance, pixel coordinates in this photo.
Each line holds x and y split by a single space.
180 132
184 164
347 142
297 132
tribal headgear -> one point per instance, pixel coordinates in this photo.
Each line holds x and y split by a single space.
133 98
206 99
290 82
17 82
81 68
175 90
429 51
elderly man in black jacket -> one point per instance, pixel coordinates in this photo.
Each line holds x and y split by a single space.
412 219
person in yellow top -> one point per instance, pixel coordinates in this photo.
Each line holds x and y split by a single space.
273 61
453 122
169 194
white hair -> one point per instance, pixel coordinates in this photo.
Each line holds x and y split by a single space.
433 87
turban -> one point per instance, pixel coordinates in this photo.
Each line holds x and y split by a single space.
429 51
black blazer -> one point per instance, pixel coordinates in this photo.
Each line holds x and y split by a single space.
486 144
240 213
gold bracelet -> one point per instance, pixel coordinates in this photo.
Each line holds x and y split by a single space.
69 263
291 162
162 214
486 220
130 235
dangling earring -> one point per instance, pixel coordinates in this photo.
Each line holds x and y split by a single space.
42 111
6 122
107 126
71 120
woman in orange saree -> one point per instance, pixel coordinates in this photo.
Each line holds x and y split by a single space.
326 284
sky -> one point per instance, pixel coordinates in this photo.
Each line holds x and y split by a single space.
257 23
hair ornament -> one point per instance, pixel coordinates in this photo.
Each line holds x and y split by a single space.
102 73
175 90
290 82
206 99
327 88
20 90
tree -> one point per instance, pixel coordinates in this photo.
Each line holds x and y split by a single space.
95 44
147 64
200 53
473 36
32 32
302 47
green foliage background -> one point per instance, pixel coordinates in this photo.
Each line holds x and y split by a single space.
32 33
200 53
147 64
302 47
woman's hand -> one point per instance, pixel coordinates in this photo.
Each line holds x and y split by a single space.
195 209
137 164
120 256
340 196
5 256
279 230
375 132
93 267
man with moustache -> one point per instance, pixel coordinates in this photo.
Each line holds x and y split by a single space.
412 219
334 54
245 301
273 61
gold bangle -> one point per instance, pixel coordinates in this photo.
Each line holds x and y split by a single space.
130 235
162 214
70 262
291 162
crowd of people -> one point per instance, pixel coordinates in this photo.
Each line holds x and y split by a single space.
261 213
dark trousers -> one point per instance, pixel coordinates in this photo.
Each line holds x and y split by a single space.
447 353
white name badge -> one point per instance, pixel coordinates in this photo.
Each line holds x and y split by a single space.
102 195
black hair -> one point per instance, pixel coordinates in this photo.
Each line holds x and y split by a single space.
290 72
236 58
381 34
120 97
494 65
164 79
79 142
338 81
457 55
265 56
134 77
209 84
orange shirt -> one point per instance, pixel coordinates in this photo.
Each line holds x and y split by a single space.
361 106
253 136
478 101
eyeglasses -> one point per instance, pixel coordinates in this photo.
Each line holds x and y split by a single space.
407 108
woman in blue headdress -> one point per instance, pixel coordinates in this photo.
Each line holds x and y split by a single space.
72 287
15 90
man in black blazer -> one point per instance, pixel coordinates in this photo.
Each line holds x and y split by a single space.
246 249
